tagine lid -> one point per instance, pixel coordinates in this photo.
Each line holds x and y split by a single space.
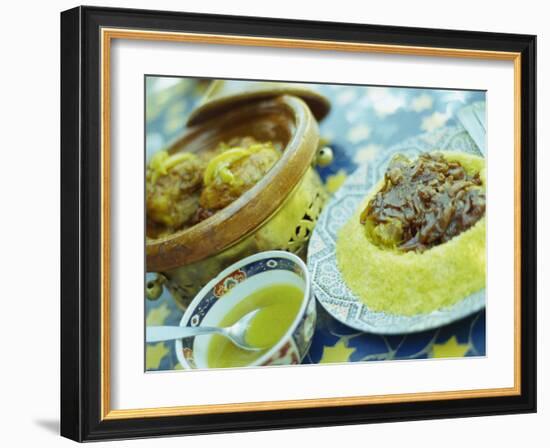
223 95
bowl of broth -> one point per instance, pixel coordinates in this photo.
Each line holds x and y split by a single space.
277 284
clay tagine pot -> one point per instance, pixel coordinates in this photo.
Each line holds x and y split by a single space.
279 212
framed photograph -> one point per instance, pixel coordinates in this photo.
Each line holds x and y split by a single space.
276 224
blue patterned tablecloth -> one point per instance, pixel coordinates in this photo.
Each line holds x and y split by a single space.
364 122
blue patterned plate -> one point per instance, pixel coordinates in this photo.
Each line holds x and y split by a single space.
327 282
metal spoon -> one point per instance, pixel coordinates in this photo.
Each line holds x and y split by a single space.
235 332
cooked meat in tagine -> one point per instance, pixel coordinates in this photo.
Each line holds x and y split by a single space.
183 189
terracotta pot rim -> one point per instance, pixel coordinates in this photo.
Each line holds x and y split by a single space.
213 107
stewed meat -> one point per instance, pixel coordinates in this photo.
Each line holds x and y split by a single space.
423 203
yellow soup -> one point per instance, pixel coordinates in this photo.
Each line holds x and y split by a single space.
278 306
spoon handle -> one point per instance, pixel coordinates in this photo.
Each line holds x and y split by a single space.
169 333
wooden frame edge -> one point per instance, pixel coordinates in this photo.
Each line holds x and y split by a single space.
105 220
306 403
107 34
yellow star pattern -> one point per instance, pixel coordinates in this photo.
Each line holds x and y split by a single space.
450 349
335 181
358 133
366 153
154 355
422 102
338 353
434 121
157 315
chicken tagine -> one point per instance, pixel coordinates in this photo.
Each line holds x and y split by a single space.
184 188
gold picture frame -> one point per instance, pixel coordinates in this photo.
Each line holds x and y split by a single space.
119 25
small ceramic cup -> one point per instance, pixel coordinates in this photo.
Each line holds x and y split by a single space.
236 283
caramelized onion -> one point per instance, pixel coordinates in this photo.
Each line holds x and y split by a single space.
423 203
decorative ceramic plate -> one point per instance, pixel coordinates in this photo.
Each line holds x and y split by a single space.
329 286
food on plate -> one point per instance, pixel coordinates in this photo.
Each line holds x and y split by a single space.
278 307
423 203
417 241
184 188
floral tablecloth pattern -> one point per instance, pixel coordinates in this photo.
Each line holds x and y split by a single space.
363 122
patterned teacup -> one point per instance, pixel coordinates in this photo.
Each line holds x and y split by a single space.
235 284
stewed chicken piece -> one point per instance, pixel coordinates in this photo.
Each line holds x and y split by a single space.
236 170
183 189
173 185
